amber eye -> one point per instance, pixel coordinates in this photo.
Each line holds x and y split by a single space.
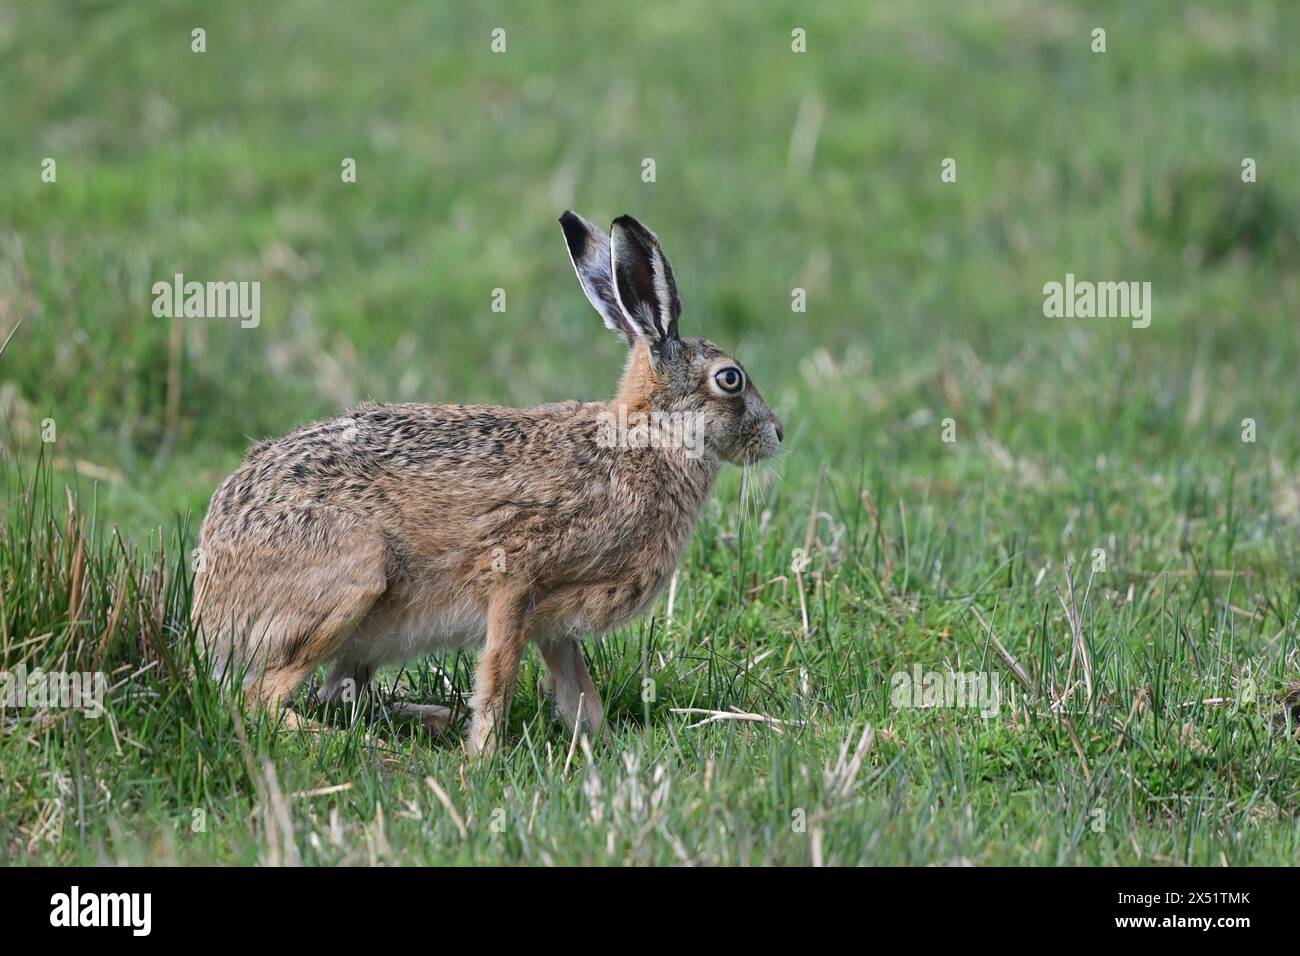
730 379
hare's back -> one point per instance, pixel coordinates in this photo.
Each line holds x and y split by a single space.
374 456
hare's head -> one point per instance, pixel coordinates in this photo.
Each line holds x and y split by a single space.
628 279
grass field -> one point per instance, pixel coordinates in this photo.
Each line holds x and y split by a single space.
1141 717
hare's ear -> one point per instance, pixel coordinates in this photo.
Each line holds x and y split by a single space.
643 281
589 251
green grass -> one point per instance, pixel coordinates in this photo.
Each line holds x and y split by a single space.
924 303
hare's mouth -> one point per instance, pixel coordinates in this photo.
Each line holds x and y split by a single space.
757 449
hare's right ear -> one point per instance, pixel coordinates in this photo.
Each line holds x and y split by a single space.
644 282
589 251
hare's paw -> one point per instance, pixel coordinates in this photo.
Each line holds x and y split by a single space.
434 717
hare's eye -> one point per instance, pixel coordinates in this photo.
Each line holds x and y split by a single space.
730 379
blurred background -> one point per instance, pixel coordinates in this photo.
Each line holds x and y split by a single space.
774 170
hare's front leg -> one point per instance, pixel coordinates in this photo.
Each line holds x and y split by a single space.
494 680
576 697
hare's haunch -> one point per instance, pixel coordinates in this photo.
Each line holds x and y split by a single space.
397 530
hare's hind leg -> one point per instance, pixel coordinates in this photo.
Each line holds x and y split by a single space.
335 602
282 602
347 681
576 697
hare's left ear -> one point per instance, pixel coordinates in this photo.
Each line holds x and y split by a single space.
589 251
643 281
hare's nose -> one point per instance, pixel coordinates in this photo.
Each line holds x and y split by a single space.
780 432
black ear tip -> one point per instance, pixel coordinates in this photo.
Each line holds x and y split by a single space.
575 232
635 229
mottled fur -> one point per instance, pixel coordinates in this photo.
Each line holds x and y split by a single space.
397 530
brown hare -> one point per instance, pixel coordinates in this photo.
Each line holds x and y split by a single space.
398 530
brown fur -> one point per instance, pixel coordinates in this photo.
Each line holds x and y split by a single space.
397 530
